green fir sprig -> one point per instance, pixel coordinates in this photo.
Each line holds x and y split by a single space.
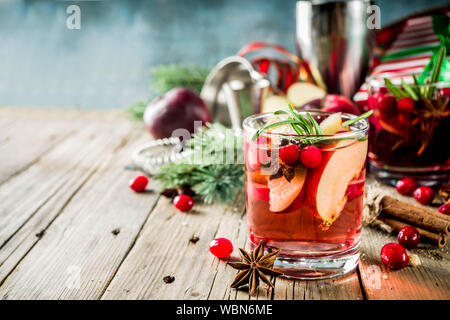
207 170
166 77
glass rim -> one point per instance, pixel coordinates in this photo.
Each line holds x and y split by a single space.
377 80
350 134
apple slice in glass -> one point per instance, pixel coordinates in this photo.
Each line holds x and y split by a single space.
327 184
283 193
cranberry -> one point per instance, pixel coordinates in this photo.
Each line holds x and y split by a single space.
445 209
408 237
445 92
404 119
311 156
406 186
405 105
289 154
374 100
424 195
183 202
387 105
221 247
394 256
139 183
263 140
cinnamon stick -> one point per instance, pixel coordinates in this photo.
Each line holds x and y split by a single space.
417 216
437 239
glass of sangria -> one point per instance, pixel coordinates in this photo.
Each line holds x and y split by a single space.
304 188
409 131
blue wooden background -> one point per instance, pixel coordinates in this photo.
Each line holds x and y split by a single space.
106 63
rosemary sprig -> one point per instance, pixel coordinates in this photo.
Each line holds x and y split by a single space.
302 126
436 73
307 127
360 117
397 92
417 91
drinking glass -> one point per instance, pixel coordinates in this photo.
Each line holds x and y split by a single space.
312 215
409 138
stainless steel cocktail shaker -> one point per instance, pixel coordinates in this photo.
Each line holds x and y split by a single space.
335 42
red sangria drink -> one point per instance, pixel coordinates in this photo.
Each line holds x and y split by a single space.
409 130
305 174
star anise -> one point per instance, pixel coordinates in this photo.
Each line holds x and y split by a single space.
428 118
255 267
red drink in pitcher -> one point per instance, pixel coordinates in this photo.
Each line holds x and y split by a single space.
305 191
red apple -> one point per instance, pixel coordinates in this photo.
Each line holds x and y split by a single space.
337 103
327 184
283 193
176 109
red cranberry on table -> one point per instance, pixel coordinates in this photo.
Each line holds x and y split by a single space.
409 237
424 195
445 209
311 156
406 186
139 183
289 154
405 105
183 202
394 256
221 247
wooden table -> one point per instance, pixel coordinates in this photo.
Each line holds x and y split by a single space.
70 228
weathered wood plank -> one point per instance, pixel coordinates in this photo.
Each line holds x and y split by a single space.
342 288
431 280
198 275
71 183
164 249
81 239
26 192
27 134
28 208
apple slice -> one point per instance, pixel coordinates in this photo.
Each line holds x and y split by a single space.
332 124
283 193
302 92
327 184
273 103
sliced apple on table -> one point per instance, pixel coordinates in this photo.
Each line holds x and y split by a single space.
327 184
283 192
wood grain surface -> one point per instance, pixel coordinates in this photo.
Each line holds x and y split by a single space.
64 190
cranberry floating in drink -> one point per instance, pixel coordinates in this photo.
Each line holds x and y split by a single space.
305 174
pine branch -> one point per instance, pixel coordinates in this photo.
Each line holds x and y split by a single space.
166 77
215 178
